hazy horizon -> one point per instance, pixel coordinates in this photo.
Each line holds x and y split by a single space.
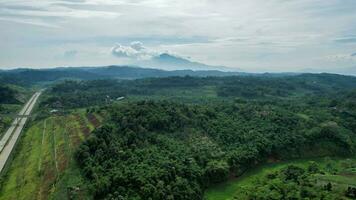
249 36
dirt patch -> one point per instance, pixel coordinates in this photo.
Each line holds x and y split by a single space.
62 159
48 180
85 130
74 136
93 120
83 127
273 159
75 140
348 174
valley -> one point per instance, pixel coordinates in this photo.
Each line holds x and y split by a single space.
184 137
177 100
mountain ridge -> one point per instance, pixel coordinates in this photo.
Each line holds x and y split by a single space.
172 62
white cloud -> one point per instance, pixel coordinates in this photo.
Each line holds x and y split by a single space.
276 34
135 51
137 45
46 9
342 57
35 22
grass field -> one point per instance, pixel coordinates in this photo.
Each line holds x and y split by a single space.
341 176
43 166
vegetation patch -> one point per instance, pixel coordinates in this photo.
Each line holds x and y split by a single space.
317 178
186 148
43 167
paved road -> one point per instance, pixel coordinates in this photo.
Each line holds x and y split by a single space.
8 141
9 132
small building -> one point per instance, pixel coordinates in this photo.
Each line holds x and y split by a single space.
53 111
119 98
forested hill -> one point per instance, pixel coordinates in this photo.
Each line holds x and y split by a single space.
163 150
7 95
75 94
27 77
33 76
173 137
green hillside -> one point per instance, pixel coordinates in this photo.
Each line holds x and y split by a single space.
187 138
265 181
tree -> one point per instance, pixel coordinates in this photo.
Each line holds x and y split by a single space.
293 173
328 187
313 167
351 192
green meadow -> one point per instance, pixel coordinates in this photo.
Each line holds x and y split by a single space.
43 166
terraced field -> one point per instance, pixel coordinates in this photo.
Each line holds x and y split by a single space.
43 165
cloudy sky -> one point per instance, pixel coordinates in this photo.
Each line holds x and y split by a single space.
251 35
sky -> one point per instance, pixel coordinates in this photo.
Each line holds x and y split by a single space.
248 35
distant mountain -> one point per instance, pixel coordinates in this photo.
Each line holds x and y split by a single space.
32 76
26 77
347 71
171 62
29 76
128 72
341 70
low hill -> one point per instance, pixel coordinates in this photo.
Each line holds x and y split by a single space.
33 76
198 89
153 150
7 95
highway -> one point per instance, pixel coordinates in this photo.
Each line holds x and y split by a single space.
8 141
9 132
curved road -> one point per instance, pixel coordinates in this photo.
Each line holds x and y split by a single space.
11 136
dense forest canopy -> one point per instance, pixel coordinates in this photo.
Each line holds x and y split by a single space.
26 77
165 150
7 94
97 92
10 99
173 137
